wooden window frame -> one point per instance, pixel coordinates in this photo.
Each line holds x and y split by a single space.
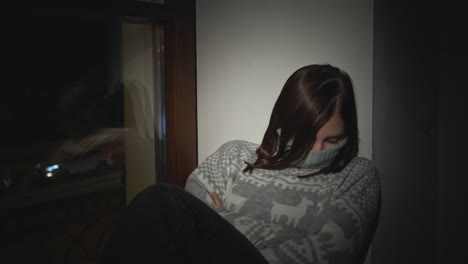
181 92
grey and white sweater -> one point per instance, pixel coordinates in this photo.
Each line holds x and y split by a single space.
320 219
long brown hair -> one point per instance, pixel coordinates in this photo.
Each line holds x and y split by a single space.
309 98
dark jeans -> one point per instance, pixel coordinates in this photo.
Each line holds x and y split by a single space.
166 224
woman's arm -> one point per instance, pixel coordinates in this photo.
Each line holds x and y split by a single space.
215 174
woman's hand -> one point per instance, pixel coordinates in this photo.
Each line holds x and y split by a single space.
217 200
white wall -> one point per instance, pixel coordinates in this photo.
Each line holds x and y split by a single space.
247 49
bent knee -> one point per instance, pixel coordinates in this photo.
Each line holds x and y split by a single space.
160 190
161 187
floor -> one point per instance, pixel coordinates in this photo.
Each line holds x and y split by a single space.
73 230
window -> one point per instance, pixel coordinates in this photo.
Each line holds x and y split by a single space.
100 95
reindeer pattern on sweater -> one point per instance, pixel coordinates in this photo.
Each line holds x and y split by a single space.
320 219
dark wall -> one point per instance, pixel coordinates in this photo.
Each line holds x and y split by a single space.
452 204
404 130
419 131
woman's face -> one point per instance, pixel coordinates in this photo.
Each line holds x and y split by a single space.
330 134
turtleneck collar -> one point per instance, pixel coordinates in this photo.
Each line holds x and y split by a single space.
317 159
321 159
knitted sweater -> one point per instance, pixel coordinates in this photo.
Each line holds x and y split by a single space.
320 219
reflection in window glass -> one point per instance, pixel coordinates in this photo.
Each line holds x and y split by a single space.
142 66
72 114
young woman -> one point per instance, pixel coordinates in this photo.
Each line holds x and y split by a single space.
301 196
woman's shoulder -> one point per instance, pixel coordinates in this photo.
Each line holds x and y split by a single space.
238 145
361 163
238 148
361 168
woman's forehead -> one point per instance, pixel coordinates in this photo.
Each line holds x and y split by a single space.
332 128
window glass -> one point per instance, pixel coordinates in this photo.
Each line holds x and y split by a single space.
86 92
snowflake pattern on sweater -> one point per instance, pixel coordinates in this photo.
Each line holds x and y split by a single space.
321 219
